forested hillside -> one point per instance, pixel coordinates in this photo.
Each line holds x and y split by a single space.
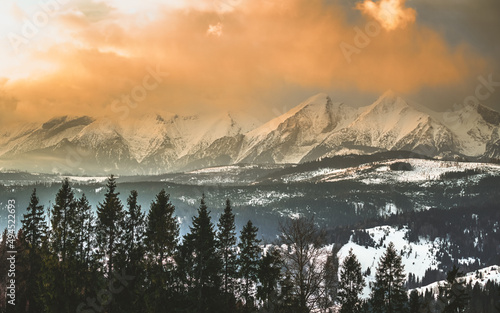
121 259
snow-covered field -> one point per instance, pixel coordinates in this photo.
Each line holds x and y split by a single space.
417 257
380 173
482 276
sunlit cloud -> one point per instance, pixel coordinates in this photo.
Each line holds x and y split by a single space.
215 30
91 53
391 14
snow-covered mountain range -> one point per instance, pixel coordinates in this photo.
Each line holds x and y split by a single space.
316 128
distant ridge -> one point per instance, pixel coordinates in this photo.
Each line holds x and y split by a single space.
314 129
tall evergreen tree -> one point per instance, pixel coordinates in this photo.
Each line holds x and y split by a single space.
4 267
23 295
269 274
389 292
226 237
415 302
249 260
131 258
63 213
206 264
109 226
33 223
63 284
351 284
84 243
162 228
161 236
34 232
331 278
454 293
83 227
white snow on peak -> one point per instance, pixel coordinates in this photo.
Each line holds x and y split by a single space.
313 103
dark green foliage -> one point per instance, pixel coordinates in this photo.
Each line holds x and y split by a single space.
401 166
63 279
63 214
269 274
131 299
34 233
34 225
63 269
389 291
461 174
226 237
203 271
362 238
415 302
109 228
162 232
453 296
248 260
351 284
331 278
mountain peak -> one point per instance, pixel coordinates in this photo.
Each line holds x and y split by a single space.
316 103
389 94
387 102
489 115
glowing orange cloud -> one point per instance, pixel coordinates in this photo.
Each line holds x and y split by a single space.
249 57
391 14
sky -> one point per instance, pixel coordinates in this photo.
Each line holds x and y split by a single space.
119 57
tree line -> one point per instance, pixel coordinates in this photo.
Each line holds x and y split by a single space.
121 260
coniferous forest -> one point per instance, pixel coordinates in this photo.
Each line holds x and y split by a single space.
72 257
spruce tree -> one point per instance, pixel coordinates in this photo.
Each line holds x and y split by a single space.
63 284
415 302
109 228
389 292
454 293
23 294
226 237
200 243
249 260
4 267
351 284
33 223
83 227
269 274
131 258
63 213
331 278
162 228
162 233
84 243
34 231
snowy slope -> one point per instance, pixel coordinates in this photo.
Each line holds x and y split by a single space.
289 137
390 123
481 277
476 126
423 171
417 257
